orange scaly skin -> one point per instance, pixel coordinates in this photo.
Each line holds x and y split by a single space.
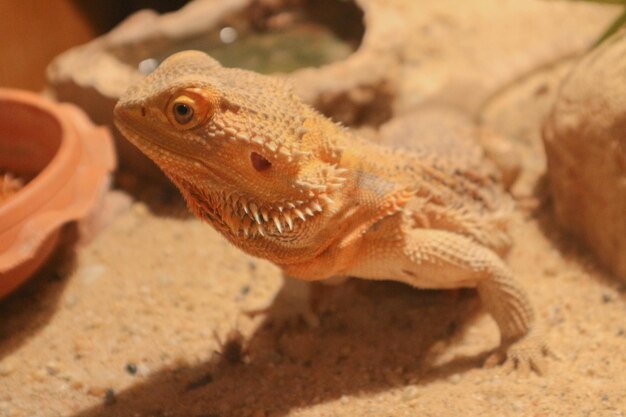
284 183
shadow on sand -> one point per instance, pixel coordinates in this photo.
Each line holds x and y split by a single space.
373 336
40 295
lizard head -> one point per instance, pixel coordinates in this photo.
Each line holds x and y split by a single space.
248 156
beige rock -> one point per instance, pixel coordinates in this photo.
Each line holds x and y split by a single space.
585 141
517 112
94 75
410 53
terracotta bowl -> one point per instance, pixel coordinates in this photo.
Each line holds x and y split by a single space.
68 162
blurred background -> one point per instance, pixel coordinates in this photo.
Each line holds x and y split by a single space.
25 35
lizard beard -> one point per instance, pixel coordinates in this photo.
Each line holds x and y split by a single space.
239 216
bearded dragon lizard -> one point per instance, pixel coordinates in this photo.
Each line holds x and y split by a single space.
282 182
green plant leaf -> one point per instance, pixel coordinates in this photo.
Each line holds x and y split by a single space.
615 26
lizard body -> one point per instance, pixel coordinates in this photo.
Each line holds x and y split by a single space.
282 182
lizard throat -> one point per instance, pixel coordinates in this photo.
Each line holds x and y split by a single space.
243 217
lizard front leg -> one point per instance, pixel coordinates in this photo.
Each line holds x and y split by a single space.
297 300
429 258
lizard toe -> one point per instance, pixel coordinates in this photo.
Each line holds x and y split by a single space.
523 357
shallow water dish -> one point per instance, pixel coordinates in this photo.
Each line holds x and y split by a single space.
67 161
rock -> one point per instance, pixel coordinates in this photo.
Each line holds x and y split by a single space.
585 140
533 97
94 75
408 54
502 152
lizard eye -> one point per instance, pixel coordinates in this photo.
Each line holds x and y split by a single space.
183 113
189 109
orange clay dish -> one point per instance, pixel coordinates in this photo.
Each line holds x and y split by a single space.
67 161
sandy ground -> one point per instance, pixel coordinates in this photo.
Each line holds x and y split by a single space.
137 322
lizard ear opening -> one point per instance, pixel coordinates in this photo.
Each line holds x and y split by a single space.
189 108
259 163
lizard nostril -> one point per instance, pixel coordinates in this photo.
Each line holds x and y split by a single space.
143 111
258 162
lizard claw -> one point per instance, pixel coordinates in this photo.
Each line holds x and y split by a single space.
523 356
